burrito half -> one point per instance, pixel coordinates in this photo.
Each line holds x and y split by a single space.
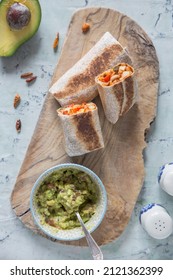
118 90
81 128
77 85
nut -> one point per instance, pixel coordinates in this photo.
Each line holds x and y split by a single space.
16 100
85 27
18 125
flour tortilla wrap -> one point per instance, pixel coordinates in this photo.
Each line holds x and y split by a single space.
118 90
77 85
81 128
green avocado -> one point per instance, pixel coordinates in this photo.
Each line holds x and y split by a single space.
19 21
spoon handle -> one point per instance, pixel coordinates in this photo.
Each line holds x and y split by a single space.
96 252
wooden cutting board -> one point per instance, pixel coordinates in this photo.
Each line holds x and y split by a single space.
120 164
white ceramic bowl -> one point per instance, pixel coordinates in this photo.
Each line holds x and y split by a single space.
76 233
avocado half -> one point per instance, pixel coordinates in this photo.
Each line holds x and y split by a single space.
12 39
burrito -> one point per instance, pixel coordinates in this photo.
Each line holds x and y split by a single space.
118 90
77 85
81 128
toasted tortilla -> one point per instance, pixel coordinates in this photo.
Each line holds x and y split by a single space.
81 129
77 85
117 95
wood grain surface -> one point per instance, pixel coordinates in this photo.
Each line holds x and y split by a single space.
120 164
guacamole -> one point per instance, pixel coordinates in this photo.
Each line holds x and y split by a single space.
62 194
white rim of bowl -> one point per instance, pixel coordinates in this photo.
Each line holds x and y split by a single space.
61 166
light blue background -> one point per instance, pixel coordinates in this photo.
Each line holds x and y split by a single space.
18 242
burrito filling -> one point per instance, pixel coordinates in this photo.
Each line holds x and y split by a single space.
74 109
115 75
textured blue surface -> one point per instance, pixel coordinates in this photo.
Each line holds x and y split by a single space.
37 56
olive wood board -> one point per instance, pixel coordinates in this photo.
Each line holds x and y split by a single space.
120 163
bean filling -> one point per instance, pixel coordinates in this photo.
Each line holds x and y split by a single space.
115 75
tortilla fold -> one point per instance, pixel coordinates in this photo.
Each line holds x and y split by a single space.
81 130
77 85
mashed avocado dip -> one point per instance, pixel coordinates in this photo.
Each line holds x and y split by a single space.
62 194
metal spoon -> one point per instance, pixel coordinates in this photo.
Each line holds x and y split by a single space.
96 252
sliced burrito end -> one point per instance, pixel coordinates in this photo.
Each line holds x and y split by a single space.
118 90
81 128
